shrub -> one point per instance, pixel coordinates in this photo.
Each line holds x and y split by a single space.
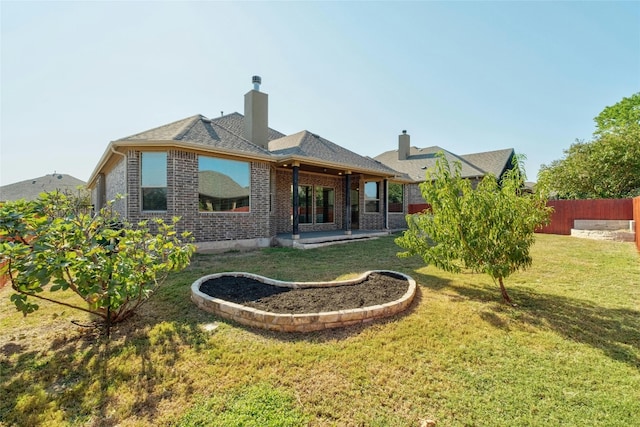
55 243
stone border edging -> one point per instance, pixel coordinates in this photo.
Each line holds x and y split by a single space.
303 322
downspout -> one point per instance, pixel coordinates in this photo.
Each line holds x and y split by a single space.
126 180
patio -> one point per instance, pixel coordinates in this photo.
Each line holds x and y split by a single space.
315 239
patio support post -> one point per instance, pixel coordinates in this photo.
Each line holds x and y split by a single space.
296 203
385 216
347 203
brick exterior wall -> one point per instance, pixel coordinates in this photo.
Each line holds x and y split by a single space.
182 201
414 196
115 183
270 202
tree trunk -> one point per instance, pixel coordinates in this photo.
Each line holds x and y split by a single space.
505 295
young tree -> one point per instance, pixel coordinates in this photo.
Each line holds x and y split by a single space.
487 229
55 243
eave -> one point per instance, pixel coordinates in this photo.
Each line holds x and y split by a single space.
120 146
288 160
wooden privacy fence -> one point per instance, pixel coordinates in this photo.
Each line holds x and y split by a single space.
417 207
566 211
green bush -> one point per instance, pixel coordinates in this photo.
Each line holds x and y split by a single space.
55 243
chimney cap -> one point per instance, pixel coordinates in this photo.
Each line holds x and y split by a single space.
404 131
257 81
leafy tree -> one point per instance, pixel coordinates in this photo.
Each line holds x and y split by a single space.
605 168
622 114
54 243
487 229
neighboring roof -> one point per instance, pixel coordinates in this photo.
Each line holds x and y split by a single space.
493 162
308 145
473 165
219 186
30 189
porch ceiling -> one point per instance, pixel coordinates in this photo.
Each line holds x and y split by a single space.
331 170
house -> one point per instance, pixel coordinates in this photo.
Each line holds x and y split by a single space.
413 162
234 180
30 189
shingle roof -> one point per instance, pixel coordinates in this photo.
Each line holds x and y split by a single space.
201 130
421 159
226 133
170 131
308 145
30 189
234 123
493 162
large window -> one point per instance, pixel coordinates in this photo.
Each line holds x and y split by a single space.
223 185
153 171
305 204
325 200
372 196
395 197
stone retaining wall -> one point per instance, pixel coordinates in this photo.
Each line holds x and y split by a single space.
599 229
303 322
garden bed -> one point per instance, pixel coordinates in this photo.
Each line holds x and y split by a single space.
303 306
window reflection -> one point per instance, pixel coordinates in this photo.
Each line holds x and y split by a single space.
223 185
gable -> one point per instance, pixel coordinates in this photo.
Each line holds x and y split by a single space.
493 162
307 145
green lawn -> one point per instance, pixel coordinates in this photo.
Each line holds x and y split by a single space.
568 354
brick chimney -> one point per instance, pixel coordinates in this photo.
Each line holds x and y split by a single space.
404 146
256 114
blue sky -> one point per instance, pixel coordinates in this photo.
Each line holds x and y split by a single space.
466 76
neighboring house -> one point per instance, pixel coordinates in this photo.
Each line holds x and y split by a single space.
30 189
233 178
414 161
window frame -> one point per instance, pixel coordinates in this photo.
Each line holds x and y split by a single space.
368 200
144 186
312 206
401 203
308 216
332 215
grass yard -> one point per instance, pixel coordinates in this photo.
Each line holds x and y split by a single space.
568 354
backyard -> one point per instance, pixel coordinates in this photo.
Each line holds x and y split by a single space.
567 354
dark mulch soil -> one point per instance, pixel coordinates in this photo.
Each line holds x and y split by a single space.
378 288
